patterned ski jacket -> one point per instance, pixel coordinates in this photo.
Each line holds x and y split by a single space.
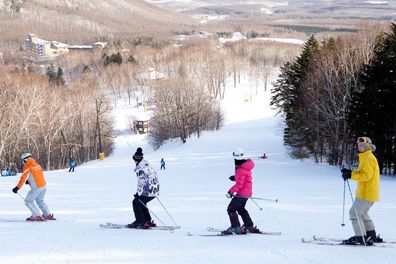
243 179
148 184
33 172
368 177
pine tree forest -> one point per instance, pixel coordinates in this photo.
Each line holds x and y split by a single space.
336 91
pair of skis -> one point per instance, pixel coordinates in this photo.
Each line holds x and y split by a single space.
215 231
219 232
318 240
120 226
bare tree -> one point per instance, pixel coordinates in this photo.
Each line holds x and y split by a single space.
181 110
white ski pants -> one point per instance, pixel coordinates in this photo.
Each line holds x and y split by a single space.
36 196
359 214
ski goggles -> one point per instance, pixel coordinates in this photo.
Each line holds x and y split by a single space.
362 140
237 155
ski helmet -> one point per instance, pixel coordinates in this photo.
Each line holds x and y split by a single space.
239 154
25 156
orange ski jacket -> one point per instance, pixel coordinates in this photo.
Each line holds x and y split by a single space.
34 171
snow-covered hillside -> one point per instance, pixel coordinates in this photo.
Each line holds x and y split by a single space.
193 189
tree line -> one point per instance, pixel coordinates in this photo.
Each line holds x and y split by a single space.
337 90
62 111
53 122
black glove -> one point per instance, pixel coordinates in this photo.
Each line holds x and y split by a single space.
15 190
229 195
346 174
232 178
27 182
136 195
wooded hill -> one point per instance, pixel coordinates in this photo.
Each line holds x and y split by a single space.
86 20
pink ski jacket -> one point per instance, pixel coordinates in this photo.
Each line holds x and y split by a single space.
243 179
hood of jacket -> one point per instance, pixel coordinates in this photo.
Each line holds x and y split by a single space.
248 165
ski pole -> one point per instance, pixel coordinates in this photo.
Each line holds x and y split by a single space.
343 208
256 204
258 198
265 199
166 211
151 212
357 216
20 195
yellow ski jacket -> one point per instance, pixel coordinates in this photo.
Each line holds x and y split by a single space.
368 177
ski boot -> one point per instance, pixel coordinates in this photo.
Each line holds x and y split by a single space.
358 240
35 218
234 231
251 229
373 236
49 217
135 225
149 224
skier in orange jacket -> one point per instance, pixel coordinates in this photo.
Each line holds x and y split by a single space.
33 175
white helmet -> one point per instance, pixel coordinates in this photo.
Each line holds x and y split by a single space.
25 156
239 154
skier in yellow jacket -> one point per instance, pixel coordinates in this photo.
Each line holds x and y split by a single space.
33 175
368 186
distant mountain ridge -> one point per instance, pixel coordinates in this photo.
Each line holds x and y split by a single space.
279 5
305 16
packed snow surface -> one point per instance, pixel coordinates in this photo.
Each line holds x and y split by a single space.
193 189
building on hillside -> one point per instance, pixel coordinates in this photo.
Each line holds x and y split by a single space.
80 47
141 123
59 48
36 44
44 47
54 48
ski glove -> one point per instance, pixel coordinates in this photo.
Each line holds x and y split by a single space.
229 195
136 195
15 190
346 174
232 178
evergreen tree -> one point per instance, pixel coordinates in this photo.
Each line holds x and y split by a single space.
116 58
287 94
55 77
50 73
372 110
59 77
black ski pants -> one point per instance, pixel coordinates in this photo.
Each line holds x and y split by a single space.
238 204
142 214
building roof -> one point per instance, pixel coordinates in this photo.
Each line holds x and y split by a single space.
141 116
80 47
59 45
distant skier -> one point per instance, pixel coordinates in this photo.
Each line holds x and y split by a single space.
264 156
33 172
6 172
147 190
240 193
162 164
72 165
368 182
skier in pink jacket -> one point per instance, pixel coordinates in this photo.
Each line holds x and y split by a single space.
240 193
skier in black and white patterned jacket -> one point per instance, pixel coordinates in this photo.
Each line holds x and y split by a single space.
147 190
